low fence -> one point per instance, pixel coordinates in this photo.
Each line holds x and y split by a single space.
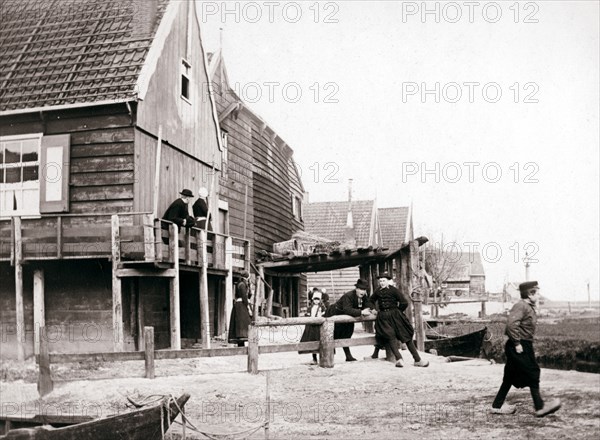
325 345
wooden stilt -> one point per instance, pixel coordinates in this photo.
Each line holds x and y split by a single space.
204 315
44 384
175 321
19 304
260 291
39 315
228 305
117 294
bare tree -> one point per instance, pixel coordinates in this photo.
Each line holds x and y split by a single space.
440 262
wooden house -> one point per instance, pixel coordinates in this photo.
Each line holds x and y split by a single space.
103 121
354 223
459 274
261 184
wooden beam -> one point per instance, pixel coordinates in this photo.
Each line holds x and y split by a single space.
149 352
19 303
260 292
117 295
174 312
228 305
157 173
39 314
168 273
158 243
204 310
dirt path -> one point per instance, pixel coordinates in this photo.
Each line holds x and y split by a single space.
358 400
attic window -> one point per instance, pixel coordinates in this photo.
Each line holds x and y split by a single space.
186 68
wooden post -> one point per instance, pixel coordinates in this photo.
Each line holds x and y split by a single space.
418 313
188 246
117 295
158 240
174 289
327 344
59 239
149 351
204 315
39 315
149 240
44 384
483 312
19 304
252 349
260 291
157 173
247 259
271 292
228 306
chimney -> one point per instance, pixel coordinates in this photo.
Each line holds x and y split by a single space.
144 17
349 235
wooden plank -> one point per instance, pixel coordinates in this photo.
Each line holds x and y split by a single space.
103 136
108 163
149 351
100 232
39 314
44 385
199 353
355 342
122 273
104 192
86 179
81 124
97 357
148 225
102 207
282 348
95 150
228 303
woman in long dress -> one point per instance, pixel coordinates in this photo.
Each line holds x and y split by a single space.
312 331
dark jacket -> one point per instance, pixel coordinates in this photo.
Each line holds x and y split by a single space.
200 209
521 322
177 212
389 298
350 304
241 292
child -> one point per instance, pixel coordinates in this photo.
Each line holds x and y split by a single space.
312 331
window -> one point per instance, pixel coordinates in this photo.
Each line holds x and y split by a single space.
19 175
297 207
186 68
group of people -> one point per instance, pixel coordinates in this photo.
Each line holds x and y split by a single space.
391 324
179 213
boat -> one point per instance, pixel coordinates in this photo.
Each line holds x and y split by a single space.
150 423
467 345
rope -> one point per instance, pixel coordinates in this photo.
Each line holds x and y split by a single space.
165 410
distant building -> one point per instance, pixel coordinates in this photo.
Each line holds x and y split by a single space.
458 273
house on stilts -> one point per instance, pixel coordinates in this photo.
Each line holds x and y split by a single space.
261 184
103 121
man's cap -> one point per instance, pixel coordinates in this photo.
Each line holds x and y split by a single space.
187 193
523 287
362 284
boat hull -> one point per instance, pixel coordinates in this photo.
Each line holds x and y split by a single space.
467 345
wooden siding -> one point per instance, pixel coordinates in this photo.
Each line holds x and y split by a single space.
178 171
337 282
102 161
189 125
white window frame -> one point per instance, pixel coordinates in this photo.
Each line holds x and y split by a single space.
21 186
186 71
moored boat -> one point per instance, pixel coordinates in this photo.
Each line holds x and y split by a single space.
467 345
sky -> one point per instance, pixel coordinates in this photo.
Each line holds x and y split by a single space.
482 115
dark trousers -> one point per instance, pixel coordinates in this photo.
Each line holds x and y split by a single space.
538 402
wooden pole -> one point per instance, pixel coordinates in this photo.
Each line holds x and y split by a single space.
483 311
327 344
204 315
19 303
269 307
117 295
252 349
228 306
44 385
149 351
175 322
245 209
157 173
418 315
39 315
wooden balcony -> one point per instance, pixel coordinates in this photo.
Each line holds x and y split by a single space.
131 238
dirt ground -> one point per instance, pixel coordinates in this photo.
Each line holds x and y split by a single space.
366 399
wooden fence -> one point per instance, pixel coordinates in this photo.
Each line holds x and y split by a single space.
325 345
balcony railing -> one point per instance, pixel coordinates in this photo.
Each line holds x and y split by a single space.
130 237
